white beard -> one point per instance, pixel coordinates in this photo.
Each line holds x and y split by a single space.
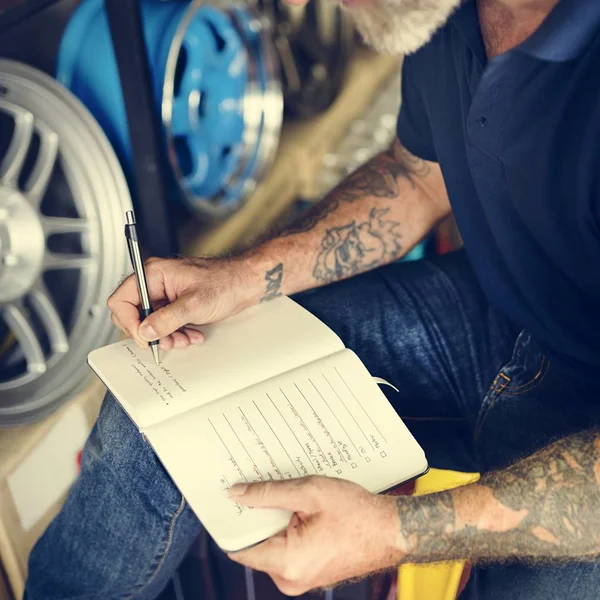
400 26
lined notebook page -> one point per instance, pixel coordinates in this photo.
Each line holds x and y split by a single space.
328 418
253 346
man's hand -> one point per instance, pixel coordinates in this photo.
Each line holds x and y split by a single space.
391 202
338 531
184 291
544 507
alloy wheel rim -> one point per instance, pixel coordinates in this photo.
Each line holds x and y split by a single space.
62 249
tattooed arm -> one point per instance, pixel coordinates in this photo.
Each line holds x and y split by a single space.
374 217
544 507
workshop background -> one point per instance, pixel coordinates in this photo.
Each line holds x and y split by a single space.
102 108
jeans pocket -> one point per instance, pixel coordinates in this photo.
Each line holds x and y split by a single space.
525 371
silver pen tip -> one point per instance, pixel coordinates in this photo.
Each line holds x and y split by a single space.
155 354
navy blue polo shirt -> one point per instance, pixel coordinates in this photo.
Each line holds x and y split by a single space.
518 141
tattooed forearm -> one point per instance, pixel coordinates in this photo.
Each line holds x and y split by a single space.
357 247
557 493
373 218
274 279
378 179
544 507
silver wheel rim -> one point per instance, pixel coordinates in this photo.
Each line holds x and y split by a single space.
53 324
262 109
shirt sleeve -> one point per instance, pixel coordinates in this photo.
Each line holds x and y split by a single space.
413 128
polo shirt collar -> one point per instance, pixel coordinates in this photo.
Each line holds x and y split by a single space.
565 32
562 36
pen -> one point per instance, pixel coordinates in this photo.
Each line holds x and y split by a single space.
140 274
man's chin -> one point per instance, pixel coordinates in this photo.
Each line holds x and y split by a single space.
399 27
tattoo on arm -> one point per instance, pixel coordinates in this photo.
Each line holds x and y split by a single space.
274 279
557 491
543 508
356 247
423 526
377 178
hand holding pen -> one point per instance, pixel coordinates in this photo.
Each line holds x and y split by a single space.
140 274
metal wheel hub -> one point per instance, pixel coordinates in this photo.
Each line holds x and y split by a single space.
22 245
222 106
215 73
62 251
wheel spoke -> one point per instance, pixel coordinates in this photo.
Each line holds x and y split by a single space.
326 15
200 161
11 166
54 261
180 123
16 319
271 10
230 52
53 225
288 63
293 16
44 307
36 185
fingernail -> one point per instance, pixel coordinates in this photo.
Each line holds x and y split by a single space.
147 333
238 489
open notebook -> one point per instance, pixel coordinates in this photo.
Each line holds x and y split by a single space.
271 394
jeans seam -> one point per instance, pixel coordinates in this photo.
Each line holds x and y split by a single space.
496 390
533 383
163 556
494 393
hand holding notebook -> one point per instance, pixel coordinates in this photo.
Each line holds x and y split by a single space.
271 394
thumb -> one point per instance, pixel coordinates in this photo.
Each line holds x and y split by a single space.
291 494
167 319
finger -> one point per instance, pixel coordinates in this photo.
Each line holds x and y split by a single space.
125 300
192 336
127 292
292 494
123 304
180 340
195 336
269 556
117 324
166 343
168 319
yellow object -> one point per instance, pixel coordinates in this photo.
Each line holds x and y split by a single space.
434 581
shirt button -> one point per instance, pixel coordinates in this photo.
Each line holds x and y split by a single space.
483 121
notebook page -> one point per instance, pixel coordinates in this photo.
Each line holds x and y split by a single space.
257 344
327 418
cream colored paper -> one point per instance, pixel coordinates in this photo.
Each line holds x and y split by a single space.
271 394
326 418
255 345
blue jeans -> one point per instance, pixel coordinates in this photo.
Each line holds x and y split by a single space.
476 392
